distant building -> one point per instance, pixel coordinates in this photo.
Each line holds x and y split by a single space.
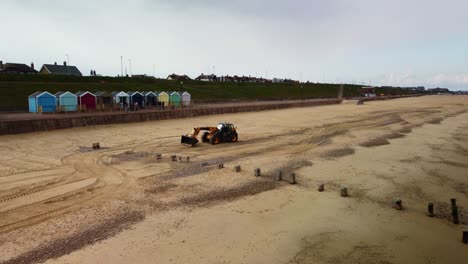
60 69
207 78
438 90
242 79
141 76
176 77
415 89
17 68
420 88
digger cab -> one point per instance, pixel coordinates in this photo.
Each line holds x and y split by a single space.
226 133
226 127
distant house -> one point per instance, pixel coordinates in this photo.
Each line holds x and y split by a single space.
141 76
60 69
207 78
438 90
17 68
226 78
176 77
420 89
235 78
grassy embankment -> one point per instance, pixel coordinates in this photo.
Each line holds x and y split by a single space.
14 89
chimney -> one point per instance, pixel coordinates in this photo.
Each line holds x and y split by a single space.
64 63
55 63
32 65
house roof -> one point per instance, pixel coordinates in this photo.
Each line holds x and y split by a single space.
163 93
148 93
80 93
178 77
17 67
62 69
174 92
186 93
203 76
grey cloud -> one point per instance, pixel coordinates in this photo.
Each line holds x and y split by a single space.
325 40
290 10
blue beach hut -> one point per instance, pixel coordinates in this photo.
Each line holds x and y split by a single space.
151 98
42 102
137 97
67 101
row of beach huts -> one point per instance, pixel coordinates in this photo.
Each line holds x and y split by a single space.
45 102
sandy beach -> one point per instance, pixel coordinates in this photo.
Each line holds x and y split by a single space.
62 202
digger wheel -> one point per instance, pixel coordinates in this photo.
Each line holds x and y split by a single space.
234 138
214 140
205 137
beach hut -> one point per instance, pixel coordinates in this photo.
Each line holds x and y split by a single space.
186 99
151 99
42 102
163 97
86 100
137 97
67 101
104 99
174 98
121 98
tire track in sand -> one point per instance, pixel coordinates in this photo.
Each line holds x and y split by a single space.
40 196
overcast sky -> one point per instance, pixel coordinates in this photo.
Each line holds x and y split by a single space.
386 42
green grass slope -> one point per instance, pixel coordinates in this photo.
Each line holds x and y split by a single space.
15 89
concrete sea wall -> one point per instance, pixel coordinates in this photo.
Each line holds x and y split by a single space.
8 127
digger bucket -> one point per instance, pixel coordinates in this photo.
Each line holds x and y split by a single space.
188 140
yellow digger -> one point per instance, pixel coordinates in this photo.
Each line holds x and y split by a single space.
224 132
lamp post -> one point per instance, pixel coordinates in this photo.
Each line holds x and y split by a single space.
121 66
130 61
300 92
300 83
